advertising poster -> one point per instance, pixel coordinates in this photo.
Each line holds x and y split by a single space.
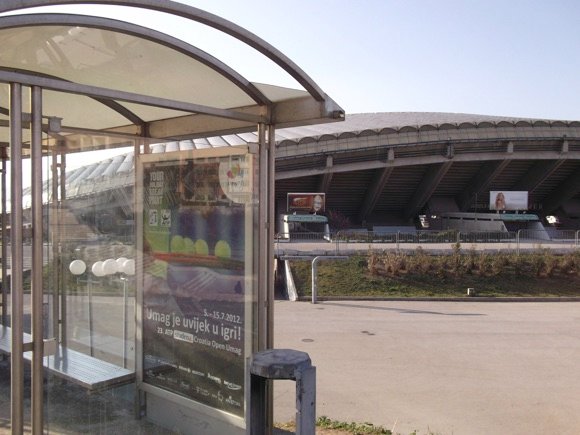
306 202
195 253
508 200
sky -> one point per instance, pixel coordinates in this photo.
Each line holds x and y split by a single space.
495 57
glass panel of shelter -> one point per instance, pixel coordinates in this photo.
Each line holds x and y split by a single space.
89 286
90 291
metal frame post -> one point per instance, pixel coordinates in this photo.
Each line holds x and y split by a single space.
54 241
4 240
37 287
59 270
263 250
270 238
16 282
266 251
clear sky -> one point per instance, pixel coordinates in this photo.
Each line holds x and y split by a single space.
495 57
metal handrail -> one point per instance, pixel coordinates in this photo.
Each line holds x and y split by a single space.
399 238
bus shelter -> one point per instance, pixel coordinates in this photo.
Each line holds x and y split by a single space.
142 318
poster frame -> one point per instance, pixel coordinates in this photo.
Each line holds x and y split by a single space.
250 312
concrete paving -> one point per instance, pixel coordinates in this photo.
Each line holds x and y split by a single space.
447 367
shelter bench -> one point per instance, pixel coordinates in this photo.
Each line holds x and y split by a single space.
87 371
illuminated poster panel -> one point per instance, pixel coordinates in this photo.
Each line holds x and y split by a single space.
197 244
508 200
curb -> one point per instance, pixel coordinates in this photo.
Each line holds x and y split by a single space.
435 299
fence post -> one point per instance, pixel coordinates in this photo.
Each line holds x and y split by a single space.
577 236
518 242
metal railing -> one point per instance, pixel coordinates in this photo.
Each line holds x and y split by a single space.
563 238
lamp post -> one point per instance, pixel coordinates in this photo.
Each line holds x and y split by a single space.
98 271
125 267
77 268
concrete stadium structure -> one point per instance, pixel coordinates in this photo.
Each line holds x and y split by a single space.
387 168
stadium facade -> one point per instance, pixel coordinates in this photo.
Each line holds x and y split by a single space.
383 169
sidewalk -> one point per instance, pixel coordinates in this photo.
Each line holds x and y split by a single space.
446 367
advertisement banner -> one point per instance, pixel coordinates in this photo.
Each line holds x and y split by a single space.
508 200
306 202
197 250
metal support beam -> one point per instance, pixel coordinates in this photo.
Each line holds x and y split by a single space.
129 97
378 183
478 184
428 184
423 160
537 174
326 178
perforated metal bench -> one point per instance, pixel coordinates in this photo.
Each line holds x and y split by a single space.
89 372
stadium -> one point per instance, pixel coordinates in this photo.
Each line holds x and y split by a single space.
386 171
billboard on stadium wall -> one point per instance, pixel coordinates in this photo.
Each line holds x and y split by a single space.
508 200
306 202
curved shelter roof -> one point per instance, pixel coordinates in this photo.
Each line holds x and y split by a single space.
138 82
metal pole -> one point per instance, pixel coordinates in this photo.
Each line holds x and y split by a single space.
90 308
264 263
63 289
262 248
62 286
16 357
4 242
124 322
37 287
270 237
54 241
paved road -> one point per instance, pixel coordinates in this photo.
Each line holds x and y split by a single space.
461 368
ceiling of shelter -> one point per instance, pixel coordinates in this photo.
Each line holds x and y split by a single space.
113 76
